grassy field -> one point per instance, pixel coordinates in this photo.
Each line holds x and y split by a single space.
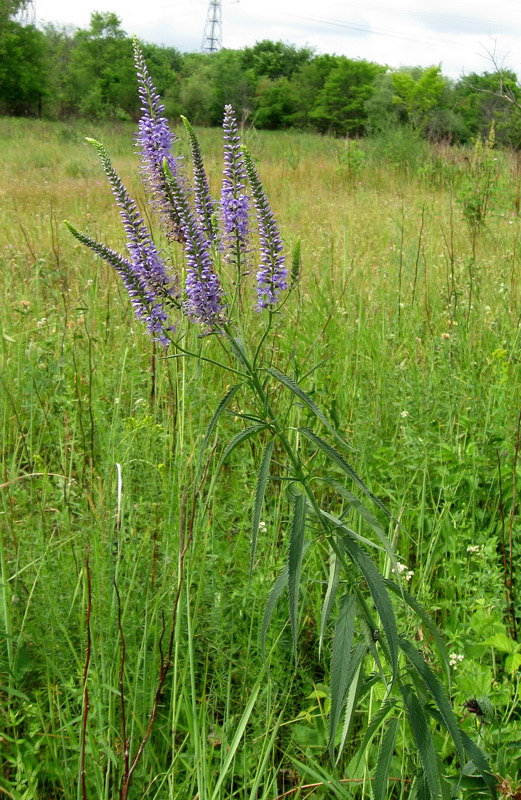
410 289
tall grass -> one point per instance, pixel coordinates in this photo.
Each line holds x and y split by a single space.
425 385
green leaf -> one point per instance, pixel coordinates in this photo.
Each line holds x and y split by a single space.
215 418
295 388
376 722
383 765
422 737
241 727
371 520
337 523
437 692
503 643
355 668
379 594
422 787
247 433
329 599
425 618
513 662
340 461
276 591
296 551
340 660
479 761
260 490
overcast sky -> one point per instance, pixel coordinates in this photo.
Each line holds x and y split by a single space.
457 33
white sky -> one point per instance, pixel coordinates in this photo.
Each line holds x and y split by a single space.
457 33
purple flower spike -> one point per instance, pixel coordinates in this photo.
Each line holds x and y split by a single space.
155 140
203 291
235 202
272 273
145 269
204 205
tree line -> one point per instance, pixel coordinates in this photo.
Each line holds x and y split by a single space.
62 73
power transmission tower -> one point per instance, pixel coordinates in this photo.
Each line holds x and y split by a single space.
213 30
27 13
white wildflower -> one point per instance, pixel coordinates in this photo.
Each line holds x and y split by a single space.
455 660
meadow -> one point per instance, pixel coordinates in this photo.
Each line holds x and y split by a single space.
409 307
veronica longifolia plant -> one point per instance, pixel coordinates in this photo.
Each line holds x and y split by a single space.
214 292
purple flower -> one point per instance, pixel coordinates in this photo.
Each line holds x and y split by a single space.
155 140
146 279
272 273
203 302
235 203
144 302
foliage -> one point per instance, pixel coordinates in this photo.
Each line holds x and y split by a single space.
429 402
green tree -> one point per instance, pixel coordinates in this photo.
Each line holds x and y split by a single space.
417 94
23 81
341 106
101 81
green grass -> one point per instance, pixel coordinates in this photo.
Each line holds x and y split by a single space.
425 388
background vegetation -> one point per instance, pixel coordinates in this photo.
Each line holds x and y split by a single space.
61 73
411 289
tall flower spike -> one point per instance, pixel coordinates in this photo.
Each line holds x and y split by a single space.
203 291
235 202
146 265
204 205
272 273
144 302
155 140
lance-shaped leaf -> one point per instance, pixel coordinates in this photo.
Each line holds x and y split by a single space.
340 461
296 553
436 689
385 756
355 669
340 661
247 433
381 599
422 737
372 728
215 418
306 399
260 490
332 588
425 618
371 520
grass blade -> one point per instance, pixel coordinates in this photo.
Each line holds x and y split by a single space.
260 490
296 552
340 661
241 727
383 765
276 591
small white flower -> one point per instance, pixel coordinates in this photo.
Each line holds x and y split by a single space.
41 322
473 549
404 414
455 660
262 527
